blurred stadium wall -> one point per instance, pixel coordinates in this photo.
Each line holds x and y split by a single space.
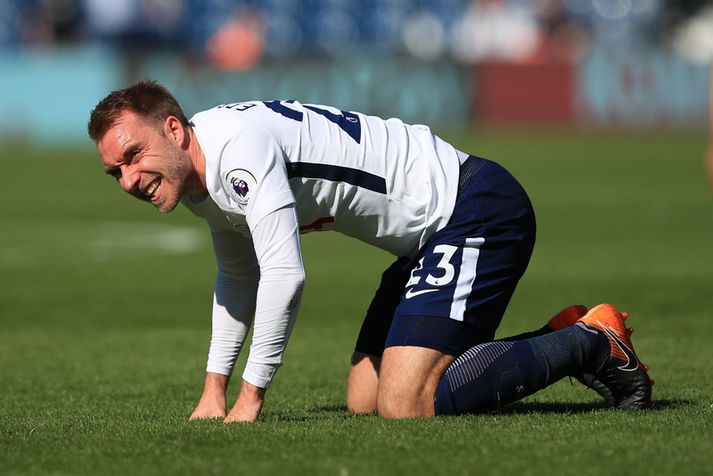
599 63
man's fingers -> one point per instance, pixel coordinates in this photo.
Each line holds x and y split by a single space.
206 412
197 416
237 419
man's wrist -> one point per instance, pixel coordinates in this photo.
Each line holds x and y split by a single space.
212 402
216 383
252 391
248 405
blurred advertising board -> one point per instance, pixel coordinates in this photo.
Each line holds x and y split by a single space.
611 88
48 93
649 88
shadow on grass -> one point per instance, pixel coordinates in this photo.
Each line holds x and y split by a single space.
340 411
576 407
321 412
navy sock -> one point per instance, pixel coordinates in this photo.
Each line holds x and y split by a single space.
527 335
491 375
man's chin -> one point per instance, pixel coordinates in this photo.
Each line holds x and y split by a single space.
165 206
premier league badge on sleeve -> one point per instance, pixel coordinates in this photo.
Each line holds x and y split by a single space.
241 185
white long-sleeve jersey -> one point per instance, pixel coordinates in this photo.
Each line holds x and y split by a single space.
279 168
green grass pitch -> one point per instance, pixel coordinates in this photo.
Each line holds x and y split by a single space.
104 326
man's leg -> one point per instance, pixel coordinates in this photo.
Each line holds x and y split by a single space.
408 381
486 376
418 364
494 374
567 318
366 360
362 384
491 375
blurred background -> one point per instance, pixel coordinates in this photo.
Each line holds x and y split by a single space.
633 64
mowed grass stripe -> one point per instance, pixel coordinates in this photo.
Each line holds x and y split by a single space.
31 244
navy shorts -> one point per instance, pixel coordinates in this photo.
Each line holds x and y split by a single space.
454 293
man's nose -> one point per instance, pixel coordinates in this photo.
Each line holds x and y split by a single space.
130 179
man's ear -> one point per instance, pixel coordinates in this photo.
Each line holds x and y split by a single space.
174 130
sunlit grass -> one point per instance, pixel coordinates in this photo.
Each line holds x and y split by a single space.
104 327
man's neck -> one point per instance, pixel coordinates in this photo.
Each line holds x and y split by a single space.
196 183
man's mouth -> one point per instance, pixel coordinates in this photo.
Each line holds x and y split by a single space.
152 190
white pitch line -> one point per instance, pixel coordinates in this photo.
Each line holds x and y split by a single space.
28 244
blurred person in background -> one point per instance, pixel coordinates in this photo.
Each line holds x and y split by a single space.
48 22
563 38
138 28
496 30
237 45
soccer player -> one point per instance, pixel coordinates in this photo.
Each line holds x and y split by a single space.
462 229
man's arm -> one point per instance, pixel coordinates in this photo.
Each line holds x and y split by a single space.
233 311
277 247
212 402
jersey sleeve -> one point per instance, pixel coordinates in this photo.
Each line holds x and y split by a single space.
277 248
234 299
254 175
262 277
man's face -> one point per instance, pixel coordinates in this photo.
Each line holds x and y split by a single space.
147 163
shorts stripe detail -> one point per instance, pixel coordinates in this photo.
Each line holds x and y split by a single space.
336 173
466 276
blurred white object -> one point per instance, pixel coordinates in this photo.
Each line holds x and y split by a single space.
108 17
495 30
694 38
424 36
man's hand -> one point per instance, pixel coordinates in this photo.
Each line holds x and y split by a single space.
212 403
248 405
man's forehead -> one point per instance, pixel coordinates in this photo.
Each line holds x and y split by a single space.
128 128
123 137
128 124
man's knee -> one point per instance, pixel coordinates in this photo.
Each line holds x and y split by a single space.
408 380
397 401
363 383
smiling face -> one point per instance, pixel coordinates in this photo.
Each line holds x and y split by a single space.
147 158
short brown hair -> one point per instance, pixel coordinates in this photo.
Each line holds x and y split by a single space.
146 98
